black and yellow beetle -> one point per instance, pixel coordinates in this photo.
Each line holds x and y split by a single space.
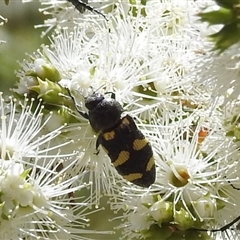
130 152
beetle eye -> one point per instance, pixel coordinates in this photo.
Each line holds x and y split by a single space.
93 100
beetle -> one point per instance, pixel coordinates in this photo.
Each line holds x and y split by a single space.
130 152
81 5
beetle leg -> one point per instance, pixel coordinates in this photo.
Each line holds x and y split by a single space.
97 145
83 114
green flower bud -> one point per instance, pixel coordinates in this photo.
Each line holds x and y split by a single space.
45 70
205 207
49 92
162 211
183 219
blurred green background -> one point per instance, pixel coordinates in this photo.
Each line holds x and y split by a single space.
20 35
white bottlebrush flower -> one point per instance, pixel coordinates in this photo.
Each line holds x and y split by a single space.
36 202
142 63
194 187
63 14
36 179
137 65
22 130
174 14
220 73
150 69
150 58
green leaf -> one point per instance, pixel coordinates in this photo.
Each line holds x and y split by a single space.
226 37
222 16
230 4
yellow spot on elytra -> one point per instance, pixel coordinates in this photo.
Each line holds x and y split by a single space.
139 144
133 176
150 164
109 135
122 158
